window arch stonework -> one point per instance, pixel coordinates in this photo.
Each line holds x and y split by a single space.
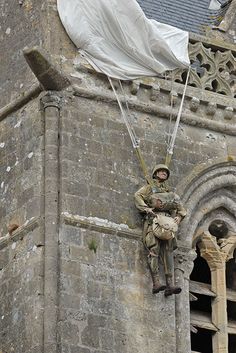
209 194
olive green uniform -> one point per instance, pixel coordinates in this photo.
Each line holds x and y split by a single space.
157 248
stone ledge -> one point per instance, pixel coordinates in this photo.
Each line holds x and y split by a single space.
20 232
212 42
114 229
20 101
109 228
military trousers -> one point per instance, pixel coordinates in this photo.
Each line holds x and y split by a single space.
158 250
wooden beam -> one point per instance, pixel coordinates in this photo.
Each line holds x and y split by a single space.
202 320
201 288
231 295
232 327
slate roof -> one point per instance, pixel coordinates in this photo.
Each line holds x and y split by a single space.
189 15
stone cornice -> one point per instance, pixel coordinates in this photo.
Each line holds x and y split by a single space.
214 43
156 109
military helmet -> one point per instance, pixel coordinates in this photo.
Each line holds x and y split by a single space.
159 167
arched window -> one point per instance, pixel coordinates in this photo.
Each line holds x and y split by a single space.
213 288
209 195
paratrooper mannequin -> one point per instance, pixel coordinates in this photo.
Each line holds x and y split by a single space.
162 212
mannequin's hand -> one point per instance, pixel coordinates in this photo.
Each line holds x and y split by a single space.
150 211
177 219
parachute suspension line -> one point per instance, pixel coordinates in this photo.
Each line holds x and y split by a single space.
135 141
133 137
123 92
171 110
170 148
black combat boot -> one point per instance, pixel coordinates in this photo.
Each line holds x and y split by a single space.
157 287
171 289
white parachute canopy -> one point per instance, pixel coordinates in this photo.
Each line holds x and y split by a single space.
118 39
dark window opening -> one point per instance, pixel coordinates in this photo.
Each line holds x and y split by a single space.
201 341
218 228
231 273
231 311
203 303
232 344
201 271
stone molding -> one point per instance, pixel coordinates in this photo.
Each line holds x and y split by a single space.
205 191
154 109
20 232
50 99
219 43
85 222
20 101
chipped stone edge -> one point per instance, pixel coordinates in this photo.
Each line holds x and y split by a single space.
20 232
82 222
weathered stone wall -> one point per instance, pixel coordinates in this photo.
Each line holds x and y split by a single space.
106 303
21 144
105 297
105 300
27 23
21 255
100 171
20 26
21 292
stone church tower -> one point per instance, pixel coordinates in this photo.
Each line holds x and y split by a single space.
73 270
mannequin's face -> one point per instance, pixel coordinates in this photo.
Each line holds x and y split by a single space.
162 175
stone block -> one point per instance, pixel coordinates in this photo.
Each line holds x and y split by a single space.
90 337
74 315
84 255
72 284
79 349
121 343
69 267
69 301
106 339
97 209
69 332
98 122
71 235
75 188
4 258
94 289
116 126
98 321
85 131
73 204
